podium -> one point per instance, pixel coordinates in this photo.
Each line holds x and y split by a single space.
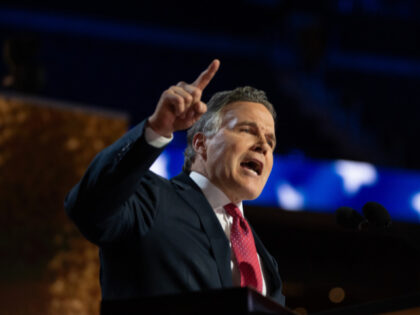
227 301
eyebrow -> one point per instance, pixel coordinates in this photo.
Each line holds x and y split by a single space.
270 135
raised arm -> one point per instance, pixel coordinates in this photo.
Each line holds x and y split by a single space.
100 203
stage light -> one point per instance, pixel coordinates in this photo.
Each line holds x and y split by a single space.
415 202
355 175
289 198
337 295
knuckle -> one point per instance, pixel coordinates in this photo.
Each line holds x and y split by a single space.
189 98
196 93
169 91
179 99
166 95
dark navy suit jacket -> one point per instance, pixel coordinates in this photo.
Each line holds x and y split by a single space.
156 236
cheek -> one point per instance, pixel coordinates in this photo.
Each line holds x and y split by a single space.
224 153
217 156
269 167
222 149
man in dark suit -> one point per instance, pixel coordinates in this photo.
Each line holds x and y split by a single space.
159 236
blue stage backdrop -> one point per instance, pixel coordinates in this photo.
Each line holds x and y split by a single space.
303 184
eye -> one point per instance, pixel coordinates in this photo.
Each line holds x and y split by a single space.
247 130
271 143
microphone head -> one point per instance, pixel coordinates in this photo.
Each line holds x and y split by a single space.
376 214
348 218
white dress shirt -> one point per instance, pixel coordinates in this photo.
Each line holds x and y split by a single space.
217 200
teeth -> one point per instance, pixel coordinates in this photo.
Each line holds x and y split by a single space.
250 169
252 166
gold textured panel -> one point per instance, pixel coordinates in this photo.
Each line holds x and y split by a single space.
46 266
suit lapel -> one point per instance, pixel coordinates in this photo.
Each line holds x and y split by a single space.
194 197
270 269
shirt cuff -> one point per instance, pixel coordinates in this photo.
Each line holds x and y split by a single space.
155 139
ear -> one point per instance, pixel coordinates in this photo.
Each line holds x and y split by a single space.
199 145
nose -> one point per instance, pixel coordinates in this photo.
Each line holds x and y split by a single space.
261 146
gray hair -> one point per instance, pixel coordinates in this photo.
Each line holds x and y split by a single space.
209 124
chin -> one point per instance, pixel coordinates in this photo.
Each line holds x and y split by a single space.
251 194
245 190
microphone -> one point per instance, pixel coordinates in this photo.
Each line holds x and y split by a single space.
378 218
376 214
349 218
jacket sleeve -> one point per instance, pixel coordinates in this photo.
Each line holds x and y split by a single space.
114 193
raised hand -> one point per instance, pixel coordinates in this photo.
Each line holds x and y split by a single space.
180 106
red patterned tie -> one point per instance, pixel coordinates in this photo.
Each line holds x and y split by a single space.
243 247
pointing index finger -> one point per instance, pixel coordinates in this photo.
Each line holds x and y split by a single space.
205 77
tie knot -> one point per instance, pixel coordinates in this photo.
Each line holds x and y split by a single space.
233 210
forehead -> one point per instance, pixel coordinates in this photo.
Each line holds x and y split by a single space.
241 111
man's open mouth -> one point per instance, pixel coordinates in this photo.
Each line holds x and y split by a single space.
253 165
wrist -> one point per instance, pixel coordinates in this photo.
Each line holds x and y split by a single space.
156 127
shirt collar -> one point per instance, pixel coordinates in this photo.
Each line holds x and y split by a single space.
214 195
